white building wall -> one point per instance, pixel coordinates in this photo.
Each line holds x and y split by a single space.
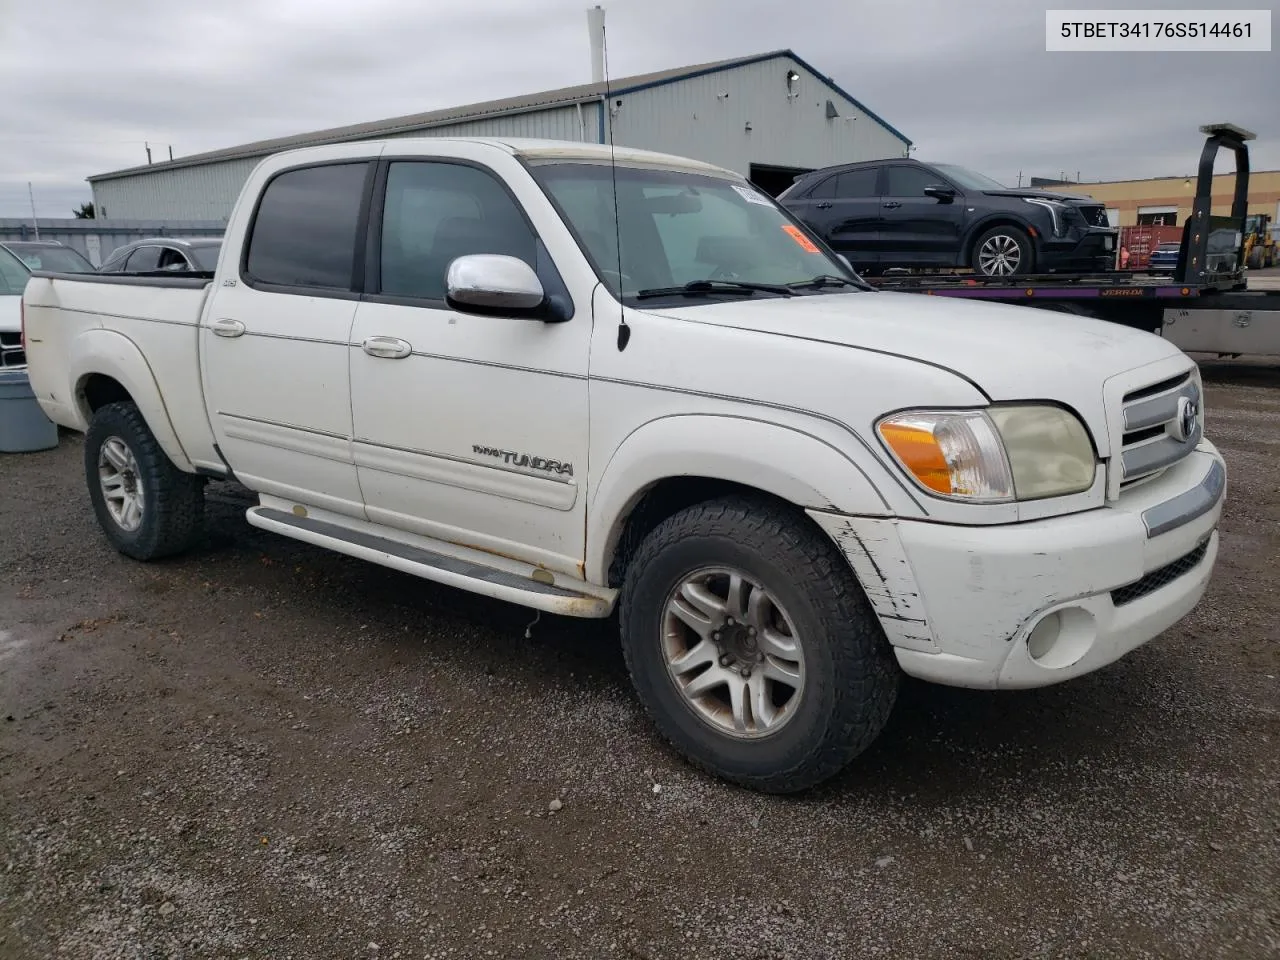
706 118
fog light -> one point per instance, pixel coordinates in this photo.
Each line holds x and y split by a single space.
1044 636
1062 638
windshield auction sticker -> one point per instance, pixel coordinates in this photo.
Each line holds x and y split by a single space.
798 236
1168 30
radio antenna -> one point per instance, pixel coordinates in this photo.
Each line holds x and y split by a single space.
624 331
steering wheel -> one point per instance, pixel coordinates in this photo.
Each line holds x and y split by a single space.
723 273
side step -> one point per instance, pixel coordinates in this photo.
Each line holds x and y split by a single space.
461 567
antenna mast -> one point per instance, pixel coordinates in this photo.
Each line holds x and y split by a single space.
600 63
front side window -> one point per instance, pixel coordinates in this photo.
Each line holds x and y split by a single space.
206 256
175 261
436 212
910 181
305 230
675 227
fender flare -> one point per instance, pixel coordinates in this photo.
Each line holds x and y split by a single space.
114 355
786 462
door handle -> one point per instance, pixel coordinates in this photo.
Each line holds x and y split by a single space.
823 205
388 348
892 204
227 328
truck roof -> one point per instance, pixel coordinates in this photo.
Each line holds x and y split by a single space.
545 149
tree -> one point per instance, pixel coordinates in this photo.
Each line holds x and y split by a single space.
85 211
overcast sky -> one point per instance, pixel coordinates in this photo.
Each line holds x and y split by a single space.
969 81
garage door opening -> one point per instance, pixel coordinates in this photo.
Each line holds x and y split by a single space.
773 180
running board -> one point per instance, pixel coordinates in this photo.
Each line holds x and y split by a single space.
461 567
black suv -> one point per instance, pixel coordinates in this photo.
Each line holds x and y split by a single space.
905 213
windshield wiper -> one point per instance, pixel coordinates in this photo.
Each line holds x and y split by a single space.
825 280
702 287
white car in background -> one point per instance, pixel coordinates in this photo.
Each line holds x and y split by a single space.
13 280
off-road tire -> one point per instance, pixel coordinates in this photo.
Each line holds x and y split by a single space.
173 514
851 675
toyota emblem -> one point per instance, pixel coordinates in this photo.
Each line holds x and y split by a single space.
1188 415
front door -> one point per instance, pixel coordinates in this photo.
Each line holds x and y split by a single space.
469 429
274 342
917 229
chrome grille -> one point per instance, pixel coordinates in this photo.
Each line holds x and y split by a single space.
11 352
1163 423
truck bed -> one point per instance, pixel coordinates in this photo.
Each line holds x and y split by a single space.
147 329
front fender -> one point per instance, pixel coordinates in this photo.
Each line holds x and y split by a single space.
789 463
114 355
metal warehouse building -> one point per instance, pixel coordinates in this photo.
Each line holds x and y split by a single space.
769 117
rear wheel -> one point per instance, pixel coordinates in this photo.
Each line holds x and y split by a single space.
147 507
1002 252
752 646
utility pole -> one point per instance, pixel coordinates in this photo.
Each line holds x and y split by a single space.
148 148
171 152
34 222
1019 178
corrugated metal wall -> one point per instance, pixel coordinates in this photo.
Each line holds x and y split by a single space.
96 238
559 123
206 192
209 192
703 117
706 118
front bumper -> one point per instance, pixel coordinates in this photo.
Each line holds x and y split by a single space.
1082 248
1033 604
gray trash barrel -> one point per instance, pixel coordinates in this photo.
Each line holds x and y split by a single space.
23 426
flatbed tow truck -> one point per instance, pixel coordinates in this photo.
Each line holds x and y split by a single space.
1205 306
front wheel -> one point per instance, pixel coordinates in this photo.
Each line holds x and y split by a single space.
147 507
752 646
1002 252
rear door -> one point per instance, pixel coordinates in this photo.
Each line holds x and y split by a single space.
274 340
916 228
847 206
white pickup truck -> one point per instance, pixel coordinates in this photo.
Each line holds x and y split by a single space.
450 357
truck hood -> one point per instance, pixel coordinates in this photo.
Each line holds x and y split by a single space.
10 314
1007 352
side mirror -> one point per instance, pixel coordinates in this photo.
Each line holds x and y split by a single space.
487 283
940 193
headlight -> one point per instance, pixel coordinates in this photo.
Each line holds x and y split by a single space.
999 454
1056 210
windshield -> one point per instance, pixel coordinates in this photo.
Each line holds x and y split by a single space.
679 228
55 259
968 178
13 275
206 256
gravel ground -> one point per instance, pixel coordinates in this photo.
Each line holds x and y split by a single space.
265 750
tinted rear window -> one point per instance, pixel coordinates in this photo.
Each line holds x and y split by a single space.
304 234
